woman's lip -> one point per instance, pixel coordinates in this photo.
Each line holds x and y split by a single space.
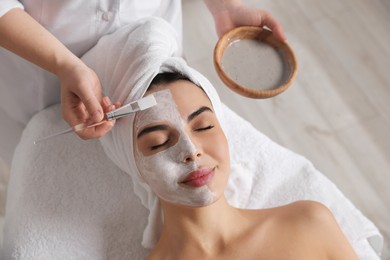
199 177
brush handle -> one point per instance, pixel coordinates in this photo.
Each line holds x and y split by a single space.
76 128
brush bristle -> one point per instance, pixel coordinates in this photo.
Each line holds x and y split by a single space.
146 102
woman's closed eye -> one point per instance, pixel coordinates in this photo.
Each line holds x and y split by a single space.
162 140
157 146
200 129
203 123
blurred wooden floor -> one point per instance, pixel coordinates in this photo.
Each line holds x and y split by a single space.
337 113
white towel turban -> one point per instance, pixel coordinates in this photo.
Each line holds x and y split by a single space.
126 62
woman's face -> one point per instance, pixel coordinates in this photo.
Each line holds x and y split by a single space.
179 146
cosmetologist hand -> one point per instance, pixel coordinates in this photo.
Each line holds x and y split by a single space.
82 101
81 93
230 14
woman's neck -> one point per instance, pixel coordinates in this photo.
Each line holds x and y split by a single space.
204 229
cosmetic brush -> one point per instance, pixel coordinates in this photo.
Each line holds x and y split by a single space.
130 108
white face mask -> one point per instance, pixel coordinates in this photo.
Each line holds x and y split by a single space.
164 170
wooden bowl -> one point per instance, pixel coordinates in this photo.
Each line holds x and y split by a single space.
265 36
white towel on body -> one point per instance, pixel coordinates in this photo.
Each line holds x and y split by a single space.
53 206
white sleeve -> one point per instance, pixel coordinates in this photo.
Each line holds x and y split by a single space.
6 5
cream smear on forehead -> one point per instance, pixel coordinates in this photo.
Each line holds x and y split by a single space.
164 170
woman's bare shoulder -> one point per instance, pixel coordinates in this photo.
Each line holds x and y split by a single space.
305 218
308 212
308 223
296 212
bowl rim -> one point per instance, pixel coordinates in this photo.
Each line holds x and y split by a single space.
254 33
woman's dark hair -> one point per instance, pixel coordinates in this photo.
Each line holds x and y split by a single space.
168 77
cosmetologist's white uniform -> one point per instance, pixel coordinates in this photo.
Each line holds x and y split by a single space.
25 88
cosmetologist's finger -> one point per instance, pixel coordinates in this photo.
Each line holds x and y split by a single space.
269 21
92 104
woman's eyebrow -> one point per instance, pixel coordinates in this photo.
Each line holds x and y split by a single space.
198 112
152 129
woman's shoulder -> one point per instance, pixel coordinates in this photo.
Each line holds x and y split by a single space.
298 220
306 211
300 211
307 226
309 217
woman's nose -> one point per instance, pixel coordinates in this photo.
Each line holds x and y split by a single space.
192 157
190 152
